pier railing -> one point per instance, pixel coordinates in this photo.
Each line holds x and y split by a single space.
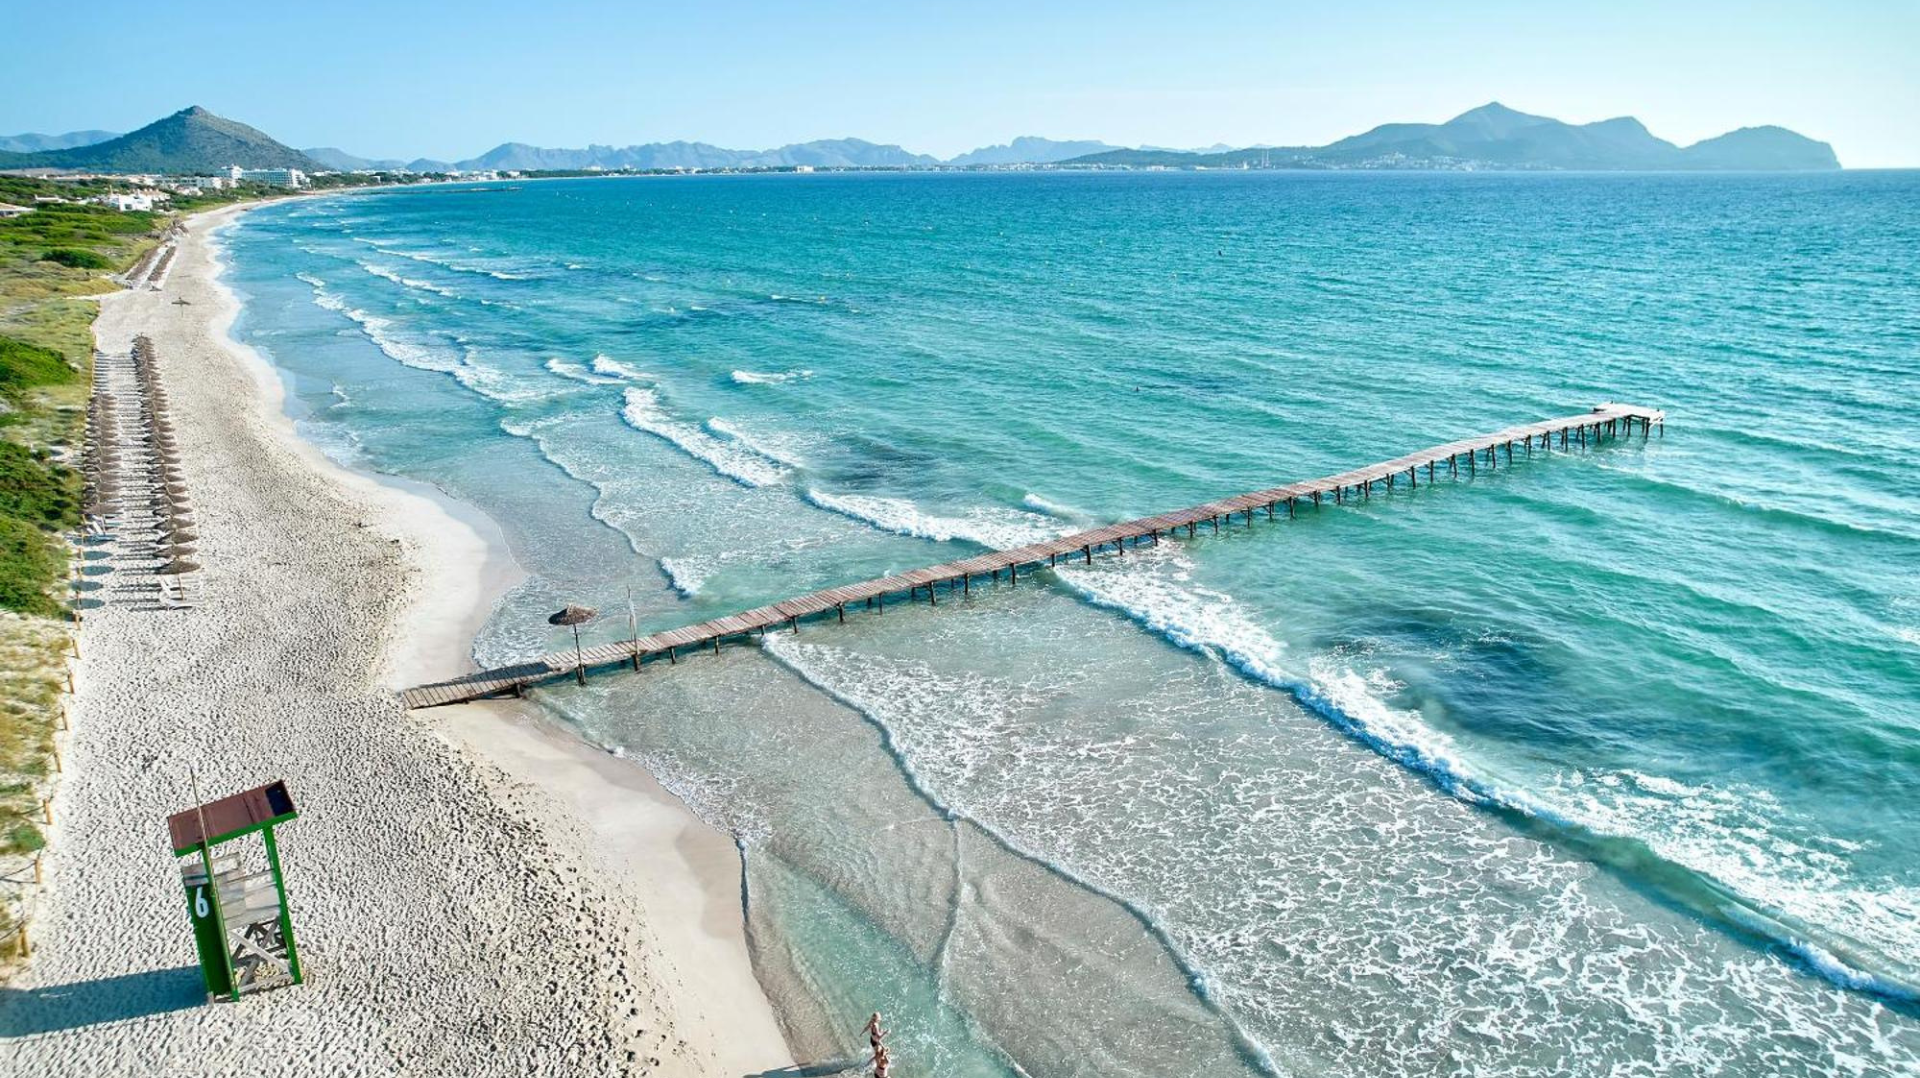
1469 454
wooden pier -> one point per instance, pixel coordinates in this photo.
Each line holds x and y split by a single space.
1470 455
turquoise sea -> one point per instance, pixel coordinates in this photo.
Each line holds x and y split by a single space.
1607 763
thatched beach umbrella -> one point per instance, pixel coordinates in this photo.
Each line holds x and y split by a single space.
575 616
178 566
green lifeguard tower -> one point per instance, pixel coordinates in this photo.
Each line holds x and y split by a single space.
241 925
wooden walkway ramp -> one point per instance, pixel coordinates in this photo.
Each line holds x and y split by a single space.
1604 421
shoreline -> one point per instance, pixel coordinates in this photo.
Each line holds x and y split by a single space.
467 565
513 852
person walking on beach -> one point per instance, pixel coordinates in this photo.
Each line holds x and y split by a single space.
882 1061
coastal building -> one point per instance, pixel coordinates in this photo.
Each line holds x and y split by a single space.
126 202
272 177
202 183
8 209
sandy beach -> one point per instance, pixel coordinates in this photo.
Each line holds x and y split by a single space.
474 891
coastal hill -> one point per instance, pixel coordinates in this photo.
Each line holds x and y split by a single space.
35 143
1031 150
191 140
335 158
1495 136
824 153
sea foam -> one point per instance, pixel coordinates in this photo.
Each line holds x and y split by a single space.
998 528
736 461
762 378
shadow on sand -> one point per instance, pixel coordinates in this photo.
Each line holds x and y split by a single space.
27 1012
813 1070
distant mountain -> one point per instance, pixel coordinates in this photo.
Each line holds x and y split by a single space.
191 140
1489 137
32 143
1031 150
825 153
342 161
1218 147
1495 136
1761 149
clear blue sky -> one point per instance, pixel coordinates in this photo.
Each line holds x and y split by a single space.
450 80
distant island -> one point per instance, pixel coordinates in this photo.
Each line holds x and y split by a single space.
1491 137
1494 136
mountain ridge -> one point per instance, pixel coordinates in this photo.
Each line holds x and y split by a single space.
1492 136
191 140
823 153
1495 136
34 142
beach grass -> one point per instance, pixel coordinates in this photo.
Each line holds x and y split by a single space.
53 262
31 680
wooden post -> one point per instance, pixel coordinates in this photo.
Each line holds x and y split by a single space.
1088 551
58 769
966 583
46 809
39 875
26 948
1013 575
842 608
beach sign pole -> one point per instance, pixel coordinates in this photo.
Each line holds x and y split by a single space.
633 628
209 927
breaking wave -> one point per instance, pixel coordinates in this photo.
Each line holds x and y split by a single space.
735 460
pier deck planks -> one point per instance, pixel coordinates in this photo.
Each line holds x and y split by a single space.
1605 420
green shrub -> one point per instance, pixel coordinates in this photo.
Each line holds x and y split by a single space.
23 366
32 563
75 258
36 490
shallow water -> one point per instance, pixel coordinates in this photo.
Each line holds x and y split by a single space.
1599 764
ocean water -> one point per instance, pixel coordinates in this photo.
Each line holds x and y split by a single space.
1607 763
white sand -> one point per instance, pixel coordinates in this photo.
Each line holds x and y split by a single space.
473 893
